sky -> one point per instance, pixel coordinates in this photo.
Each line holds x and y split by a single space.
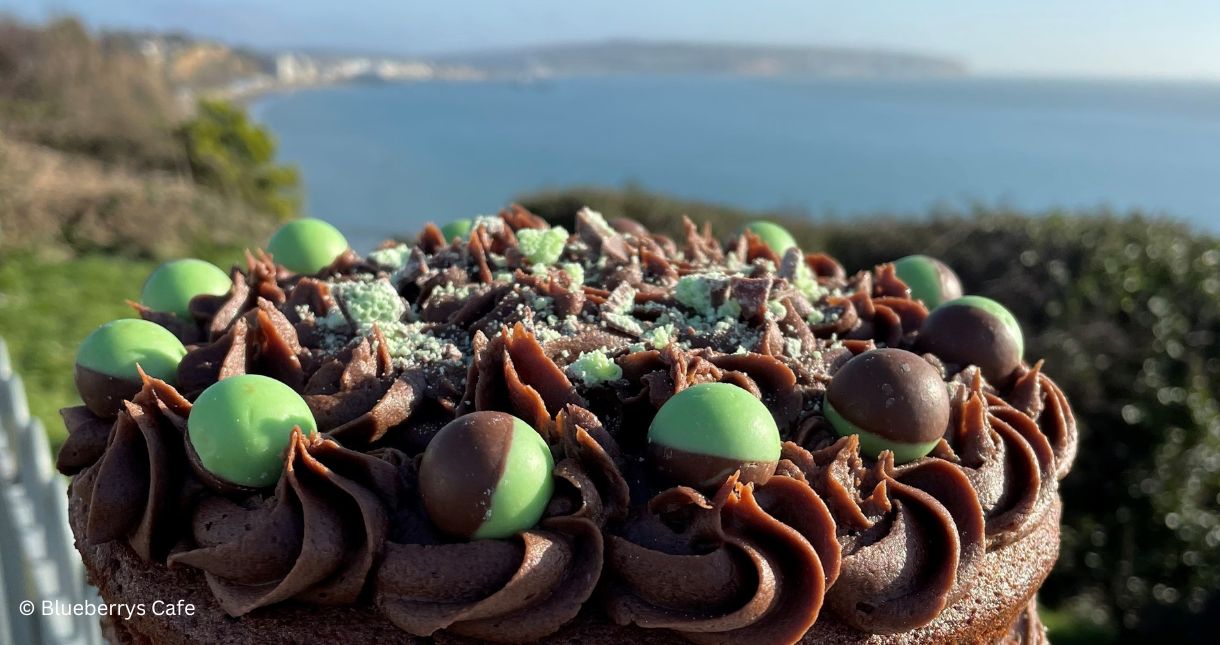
1111 38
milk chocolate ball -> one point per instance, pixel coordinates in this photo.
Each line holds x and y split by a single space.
306 245
240 427
929 279
486 475
973 330
106 373
893 399
706 432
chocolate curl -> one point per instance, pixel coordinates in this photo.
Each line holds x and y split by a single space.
1002 467
518 217
475 248
315 541
262 341
261 281
841 318
431 239
188 332
887 283
1041 399
701 247
603 241
358 403
755 248
824 266
587 445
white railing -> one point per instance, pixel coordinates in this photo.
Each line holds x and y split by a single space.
38 563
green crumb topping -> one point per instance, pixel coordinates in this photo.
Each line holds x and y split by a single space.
575 271
660 337
393 258
776 309
410 344
369 302
695 291
490 223
792 346
808 287
593 368
502 276
540 246
815 317
731 309
451 291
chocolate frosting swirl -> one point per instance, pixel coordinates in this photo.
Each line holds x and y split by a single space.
914 534
139 482
316 540
725 570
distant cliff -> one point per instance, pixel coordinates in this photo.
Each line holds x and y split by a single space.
650 57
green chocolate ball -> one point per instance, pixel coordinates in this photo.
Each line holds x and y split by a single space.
930 280
893 399
774 235
973 330
456 229
707 432
306 245
240 428
172 285
486 475
106 362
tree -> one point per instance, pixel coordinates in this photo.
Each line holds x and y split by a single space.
231 154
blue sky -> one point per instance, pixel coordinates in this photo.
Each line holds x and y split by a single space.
1170 38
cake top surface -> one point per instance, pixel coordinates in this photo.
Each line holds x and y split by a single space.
725 437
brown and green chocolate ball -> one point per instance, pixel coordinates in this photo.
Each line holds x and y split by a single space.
172 285
456 229
973 330
106 373
893 400
929 279
706 432
240 427
486 475
306 245
773 235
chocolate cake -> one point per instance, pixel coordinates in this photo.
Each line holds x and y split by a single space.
506 432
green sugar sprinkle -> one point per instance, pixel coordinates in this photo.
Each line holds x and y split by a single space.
576 272
542 246
776 309
593 368
695 291
660 337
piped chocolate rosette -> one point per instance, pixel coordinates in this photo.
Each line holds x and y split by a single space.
502 427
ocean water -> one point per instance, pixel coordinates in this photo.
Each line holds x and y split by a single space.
384 159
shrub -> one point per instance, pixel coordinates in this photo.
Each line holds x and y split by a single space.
234 155
1126 311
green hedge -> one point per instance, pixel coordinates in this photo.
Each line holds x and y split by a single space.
1126 311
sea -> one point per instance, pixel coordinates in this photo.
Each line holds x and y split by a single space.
380 160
